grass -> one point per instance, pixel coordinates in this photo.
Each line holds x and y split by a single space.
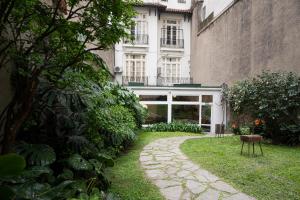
127 177
276 175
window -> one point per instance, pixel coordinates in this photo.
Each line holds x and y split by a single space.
186 98
207 98
139 31
141 25
157 114
135 67
153 98
186 113
171 69
171 34
206 117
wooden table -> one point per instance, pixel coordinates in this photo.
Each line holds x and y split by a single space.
251 139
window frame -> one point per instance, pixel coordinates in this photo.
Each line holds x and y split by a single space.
139 71
170 66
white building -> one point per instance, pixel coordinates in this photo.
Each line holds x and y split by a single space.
158 58
160 51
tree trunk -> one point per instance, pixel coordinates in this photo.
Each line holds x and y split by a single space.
17 113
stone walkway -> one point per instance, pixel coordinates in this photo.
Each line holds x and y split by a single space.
178 178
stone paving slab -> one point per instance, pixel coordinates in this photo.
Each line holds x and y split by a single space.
178 178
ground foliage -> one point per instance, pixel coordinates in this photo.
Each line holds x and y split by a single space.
175 126
73 134
273 98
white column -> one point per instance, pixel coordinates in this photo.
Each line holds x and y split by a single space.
170 96
200 109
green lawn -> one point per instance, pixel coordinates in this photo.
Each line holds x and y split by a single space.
276 175
128 180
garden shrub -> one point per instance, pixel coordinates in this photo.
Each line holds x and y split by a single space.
235 129
245 130
273 98
82 124
174 126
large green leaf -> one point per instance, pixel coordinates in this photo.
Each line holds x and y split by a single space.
37 154
42 191
80 186
66 175
106 159
30 173
11 165
36 171
97 165
32 190
6 193
77 162
58 191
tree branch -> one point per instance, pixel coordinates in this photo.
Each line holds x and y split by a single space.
6 9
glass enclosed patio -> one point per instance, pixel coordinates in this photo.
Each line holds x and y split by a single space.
198 105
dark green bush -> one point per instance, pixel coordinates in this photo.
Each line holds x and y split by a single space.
174 127
81 123
273 98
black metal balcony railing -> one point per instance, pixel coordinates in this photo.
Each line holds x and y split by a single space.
156 81
168 81
171 37
138 39
172 43
126 80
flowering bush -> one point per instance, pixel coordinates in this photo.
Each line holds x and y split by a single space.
235 129
259 126
273 98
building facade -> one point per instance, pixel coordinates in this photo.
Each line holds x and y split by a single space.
155 65
200 43
159 54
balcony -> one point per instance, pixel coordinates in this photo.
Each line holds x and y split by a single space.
172 43
138 39
134 80
170 81
155 81
171 38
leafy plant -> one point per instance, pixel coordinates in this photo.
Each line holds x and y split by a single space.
79 122
10 165
41 40
77 162
236 129
245 130
36 154
67 118
274 98
174 126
